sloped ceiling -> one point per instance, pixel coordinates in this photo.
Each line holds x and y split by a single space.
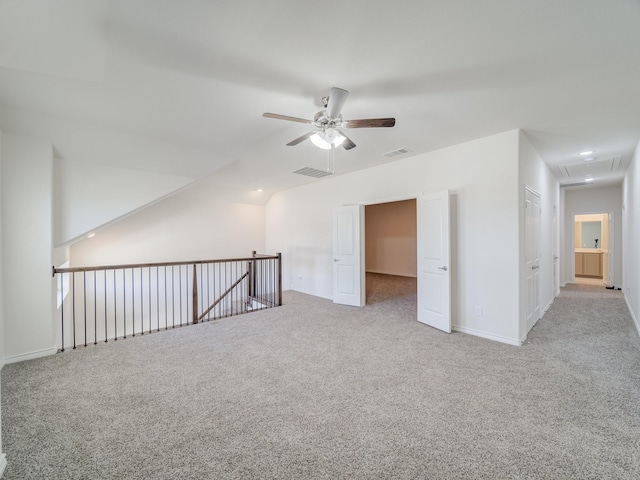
179 87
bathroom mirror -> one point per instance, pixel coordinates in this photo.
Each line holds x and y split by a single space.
591 234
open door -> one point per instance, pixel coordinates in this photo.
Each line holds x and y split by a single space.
434 273
348 256
533 213
607 241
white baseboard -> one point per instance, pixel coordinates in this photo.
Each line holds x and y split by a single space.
489 336
633 317
3 463
30 355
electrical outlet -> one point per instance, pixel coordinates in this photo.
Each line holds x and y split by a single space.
477 311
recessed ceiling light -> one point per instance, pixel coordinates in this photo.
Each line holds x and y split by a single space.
91 235
588 179
259 190
586 152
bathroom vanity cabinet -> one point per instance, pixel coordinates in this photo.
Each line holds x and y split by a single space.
589 264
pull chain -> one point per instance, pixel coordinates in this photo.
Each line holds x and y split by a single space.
331 160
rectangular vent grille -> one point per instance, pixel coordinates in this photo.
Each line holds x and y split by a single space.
395 153
312 172
577 184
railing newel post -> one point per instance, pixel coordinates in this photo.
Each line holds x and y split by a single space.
279 255
256 280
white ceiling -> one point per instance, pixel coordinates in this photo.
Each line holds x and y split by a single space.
179 87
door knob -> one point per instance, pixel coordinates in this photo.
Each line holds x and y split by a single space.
535 267
336 259
443 268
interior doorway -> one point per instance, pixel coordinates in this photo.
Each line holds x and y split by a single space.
592 242
391 251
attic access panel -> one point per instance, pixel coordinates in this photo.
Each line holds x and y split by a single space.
595 168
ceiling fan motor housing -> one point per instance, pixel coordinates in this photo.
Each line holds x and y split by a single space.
322 121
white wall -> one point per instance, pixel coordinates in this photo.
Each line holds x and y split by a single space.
592 200
27 192
535 174
88 196
482 176
3 460
631 237
195 224
390 237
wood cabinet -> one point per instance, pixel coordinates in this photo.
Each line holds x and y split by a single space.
579 263
589 264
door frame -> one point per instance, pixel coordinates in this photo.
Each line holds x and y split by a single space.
400 198
363 266
530 322
612 246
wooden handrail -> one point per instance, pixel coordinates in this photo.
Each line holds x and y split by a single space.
159 264
125 300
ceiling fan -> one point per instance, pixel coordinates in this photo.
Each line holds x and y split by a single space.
329 123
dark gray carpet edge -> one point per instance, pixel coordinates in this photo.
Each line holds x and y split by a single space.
316 390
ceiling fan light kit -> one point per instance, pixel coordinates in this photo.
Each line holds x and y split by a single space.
329 123
327 139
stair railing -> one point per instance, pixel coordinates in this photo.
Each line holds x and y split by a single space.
115 301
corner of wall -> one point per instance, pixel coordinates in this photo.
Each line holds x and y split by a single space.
3 458
631 236
27 197
534 173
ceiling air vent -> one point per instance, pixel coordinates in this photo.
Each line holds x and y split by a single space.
395 153
312 172
577 184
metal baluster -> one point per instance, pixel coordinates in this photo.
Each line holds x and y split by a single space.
115 308
133 301
149 289
73 302
271 279
180 278
141 304
173 298
208 291
158 297
219 289
166 315
95 310
124 300
84 304
201 290
106 335
62 310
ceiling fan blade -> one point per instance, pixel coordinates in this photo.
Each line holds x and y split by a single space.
347 144
286 117
299 139
337 97
370 123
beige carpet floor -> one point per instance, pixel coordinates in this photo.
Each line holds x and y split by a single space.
317 390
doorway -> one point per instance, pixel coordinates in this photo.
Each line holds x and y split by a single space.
432 258
533 214
391 251
592 241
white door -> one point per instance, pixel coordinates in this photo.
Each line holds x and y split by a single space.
607 251
434 268
533 214
348 256
554 241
